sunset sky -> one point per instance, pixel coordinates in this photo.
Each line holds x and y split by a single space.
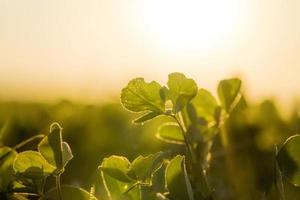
88 50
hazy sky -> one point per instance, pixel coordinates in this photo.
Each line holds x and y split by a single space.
84 49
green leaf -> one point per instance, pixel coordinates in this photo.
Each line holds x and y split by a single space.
181 90
115 179
143 167
69 192
7 156
159 179
288 159
31 164
205 105
119 190
117 167
177 180
227 91
53 149
170 132
148 116
140 96
66 154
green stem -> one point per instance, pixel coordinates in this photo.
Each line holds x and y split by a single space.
21 144
184 137
278 177
58 187
133 186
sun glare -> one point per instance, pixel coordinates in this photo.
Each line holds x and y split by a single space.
189 24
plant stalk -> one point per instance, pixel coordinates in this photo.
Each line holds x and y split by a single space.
58 187
21 144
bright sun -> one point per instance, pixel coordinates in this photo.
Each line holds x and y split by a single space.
189 24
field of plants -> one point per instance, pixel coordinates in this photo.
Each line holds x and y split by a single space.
173 141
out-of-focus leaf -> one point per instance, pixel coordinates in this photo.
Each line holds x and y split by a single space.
205 104
181 90
69 192
288 159
140 96
171 133
7 156
228 90
177 180
146 117
117 167
31 164
53 149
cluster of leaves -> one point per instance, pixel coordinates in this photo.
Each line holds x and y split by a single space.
196 117
24 174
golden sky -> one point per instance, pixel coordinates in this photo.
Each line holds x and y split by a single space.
84 49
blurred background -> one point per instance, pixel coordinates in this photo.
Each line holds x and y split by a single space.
67 61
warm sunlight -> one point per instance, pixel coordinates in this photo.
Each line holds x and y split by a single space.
190 24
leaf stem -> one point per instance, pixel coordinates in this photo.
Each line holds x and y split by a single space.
278 177
184 137
21 144
58 187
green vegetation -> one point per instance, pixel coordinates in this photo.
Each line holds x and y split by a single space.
185 144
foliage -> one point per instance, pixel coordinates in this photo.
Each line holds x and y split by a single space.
31 169
212 148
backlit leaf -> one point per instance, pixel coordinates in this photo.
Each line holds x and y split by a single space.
227 91
177 180
170 132
181 90
31 164
115 179
143 167
53 149
117 167
139 96
205 104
